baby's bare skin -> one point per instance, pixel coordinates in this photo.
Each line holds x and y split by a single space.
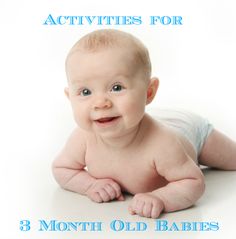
146 168
135 167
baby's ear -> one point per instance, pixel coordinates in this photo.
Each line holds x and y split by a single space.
152 89
66 91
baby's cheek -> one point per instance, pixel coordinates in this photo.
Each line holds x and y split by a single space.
81 117
78 119
134 110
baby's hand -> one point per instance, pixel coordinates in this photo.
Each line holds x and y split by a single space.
146 205
104 190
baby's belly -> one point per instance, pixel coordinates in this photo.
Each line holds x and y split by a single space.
135 185
132 179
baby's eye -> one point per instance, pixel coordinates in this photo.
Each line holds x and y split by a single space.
85 92
117 88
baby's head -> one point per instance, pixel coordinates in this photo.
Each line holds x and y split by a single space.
114 39
109 79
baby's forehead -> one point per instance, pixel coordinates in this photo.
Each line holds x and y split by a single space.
113 40
114 57
107 62
108 39
127 52
115 51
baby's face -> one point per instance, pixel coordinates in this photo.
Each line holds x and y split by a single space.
107 91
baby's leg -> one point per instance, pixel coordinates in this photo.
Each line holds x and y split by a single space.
219 151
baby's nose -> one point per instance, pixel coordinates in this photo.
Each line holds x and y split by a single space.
102 103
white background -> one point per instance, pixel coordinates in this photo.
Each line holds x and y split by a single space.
195 63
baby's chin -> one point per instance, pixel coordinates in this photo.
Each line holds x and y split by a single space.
119 133
109 133
111 130
104 132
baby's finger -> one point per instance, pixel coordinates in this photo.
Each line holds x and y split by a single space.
131 210
95 197
110 191
104 195
139 207
117 188
133 207
147 210
156 211
121 198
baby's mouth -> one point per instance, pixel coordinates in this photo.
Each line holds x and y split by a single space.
106 119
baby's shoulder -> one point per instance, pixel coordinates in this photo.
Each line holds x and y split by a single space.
76 141
74 150
156 131
165 141
168 144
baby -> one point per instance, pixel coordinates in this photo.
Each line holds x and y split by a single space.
117 147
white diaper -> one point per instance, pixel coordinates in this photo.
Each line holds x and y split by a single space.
193 127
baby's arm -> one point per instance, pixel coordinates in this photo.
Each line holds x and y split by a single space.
185 187
69 171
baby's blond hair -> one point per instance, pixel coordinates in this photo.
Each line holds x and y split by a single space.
108 38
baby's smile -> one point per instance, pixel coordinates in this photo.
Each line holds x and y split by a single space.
107 121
